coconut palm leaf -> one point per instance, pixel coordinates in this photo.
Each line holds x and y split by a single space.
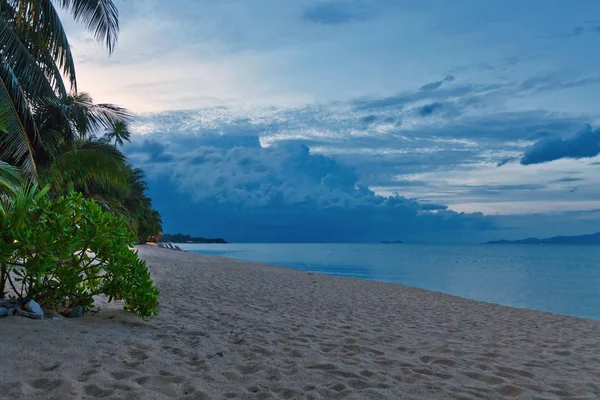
33 74
37 25
56 130
99 16
92 168
119 133
15 118
58 43
89 118
10 179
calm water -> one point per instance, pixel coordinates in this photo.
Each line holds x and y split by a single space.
559 279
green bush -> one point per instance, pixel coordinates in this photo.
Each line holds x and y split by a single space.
64 251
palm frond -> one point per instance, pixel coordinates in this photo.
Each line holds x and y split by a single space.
10 180
32 73
90 118
91 168
99 16
119 133
116 207
58 42
37 25
56 131
15 117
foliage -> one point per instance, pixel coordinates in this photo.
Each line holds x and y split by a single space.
76 159
35 54
119 133
66 250
53 134
10 179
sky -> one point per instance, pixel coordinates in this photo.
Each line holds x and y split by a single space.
360 120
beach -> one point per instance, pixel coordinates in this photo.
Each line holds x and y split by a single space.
230 329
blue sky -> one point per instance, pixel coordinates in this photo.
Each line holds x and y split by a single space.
360 120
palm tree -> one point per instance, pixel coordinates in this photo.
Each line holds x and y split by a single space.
119 133
47 128
70 156
34 56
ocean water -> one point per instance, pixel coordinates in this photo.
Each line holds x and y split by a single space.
553 278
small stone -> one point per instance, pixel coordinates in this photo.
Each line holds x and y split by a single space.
34 307
32 310
77 312
3 312
11 312
310 274
28 314
57 319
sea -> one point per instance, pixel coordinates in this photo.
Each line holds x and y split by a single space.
562 279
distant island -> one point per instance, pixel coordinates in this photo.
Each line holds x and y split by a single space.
393 242
181 238
582 239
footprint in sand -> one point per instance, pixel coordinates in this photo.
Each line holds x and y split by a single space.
124 374
410 378
512 372
137 354
326 348
510 391
338 387
51 367
563 353
248 369
94 390
261 351
159 381
85 375
295 354
489 379
46 384
122 387
430 372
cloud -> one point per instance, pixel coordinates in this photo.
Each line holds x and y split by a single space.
540 135
507 160
429 109
567 179
592 28
368 120
151 151
505 188
334 13
468 96
578 30
556 82
256 164
436 85
247 192
584 144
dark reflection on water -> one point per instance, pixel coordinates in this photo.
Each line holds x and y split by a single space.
560 279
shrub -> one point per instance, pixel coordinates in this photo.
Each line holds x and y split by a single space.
62 252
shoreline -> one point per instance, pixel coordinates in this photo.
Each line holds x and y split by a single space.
235 329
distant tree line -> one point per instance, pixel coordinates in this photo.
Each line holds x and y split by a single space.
186 238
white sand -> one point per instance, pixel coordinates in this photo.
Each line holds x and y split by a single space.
284 334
